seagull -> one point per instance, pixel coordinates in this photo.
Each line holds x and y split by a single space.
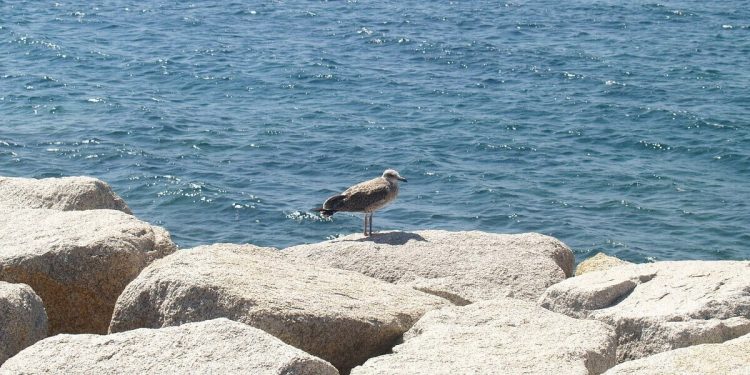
366 197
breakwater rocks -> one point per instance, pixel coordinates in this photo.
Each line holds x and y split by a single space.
218 346
78 262
341 316
660 306
463 267
502 335
114 296
22 319
64 194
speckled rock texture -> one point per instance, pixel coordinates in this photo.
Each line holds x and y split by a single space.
463 267
78 262
65 194
661 306
22 319
340 316
503 336
218 346
599 262
728 358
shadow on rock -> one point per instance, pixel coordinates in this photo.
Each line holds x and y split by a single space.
392 238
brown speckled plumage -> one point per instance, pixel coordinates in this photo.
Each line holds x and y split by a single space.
366 197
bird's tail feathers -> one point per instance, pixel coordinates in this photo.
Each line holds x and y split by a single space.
331 205
325 212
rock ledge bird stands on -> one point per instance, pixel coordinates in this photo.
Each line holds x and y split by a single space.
365 197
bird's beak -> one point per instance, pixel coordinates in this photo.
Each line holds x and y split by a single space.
402 179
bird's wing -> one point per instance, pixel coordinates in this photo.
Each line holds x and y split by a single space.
366 186
362 195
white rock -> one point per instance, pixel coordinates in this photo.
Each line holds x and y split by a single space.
661 306
340 316
217 346
503 336
78 262
22 319
728 358
462 266
65 194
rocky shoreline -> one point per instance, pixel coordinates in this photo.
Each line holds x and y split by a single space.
85 287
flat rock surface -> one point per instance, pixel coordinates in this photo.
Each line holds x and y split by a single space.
661 306
599 262
218 346
461 266
22 319
340 316
65 194
728 358
78 262
503 336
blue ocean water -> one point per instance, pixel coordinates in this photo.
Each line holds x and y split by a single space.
615 126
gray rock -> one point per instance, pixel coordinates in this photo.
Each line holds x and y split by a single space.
463 267
22 319
661 306
340 316
218 346
503 336
728 358
78 262
65 194
599 262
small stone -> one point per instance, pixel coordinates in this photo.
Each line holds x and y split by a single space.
599 262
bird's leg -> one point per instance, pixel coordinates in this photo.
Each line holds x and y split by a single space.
365 224
371 213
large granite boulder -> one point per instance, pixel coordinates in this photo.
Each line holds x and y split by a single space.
463 267
661 306
22 319
503 336
340 316
65 194
217 346
728 358
599 262
78 262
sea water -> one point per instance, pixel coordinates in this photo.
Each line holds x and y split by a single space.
615 126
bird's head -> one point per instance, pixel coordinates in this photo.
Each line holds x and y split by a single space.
392 175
